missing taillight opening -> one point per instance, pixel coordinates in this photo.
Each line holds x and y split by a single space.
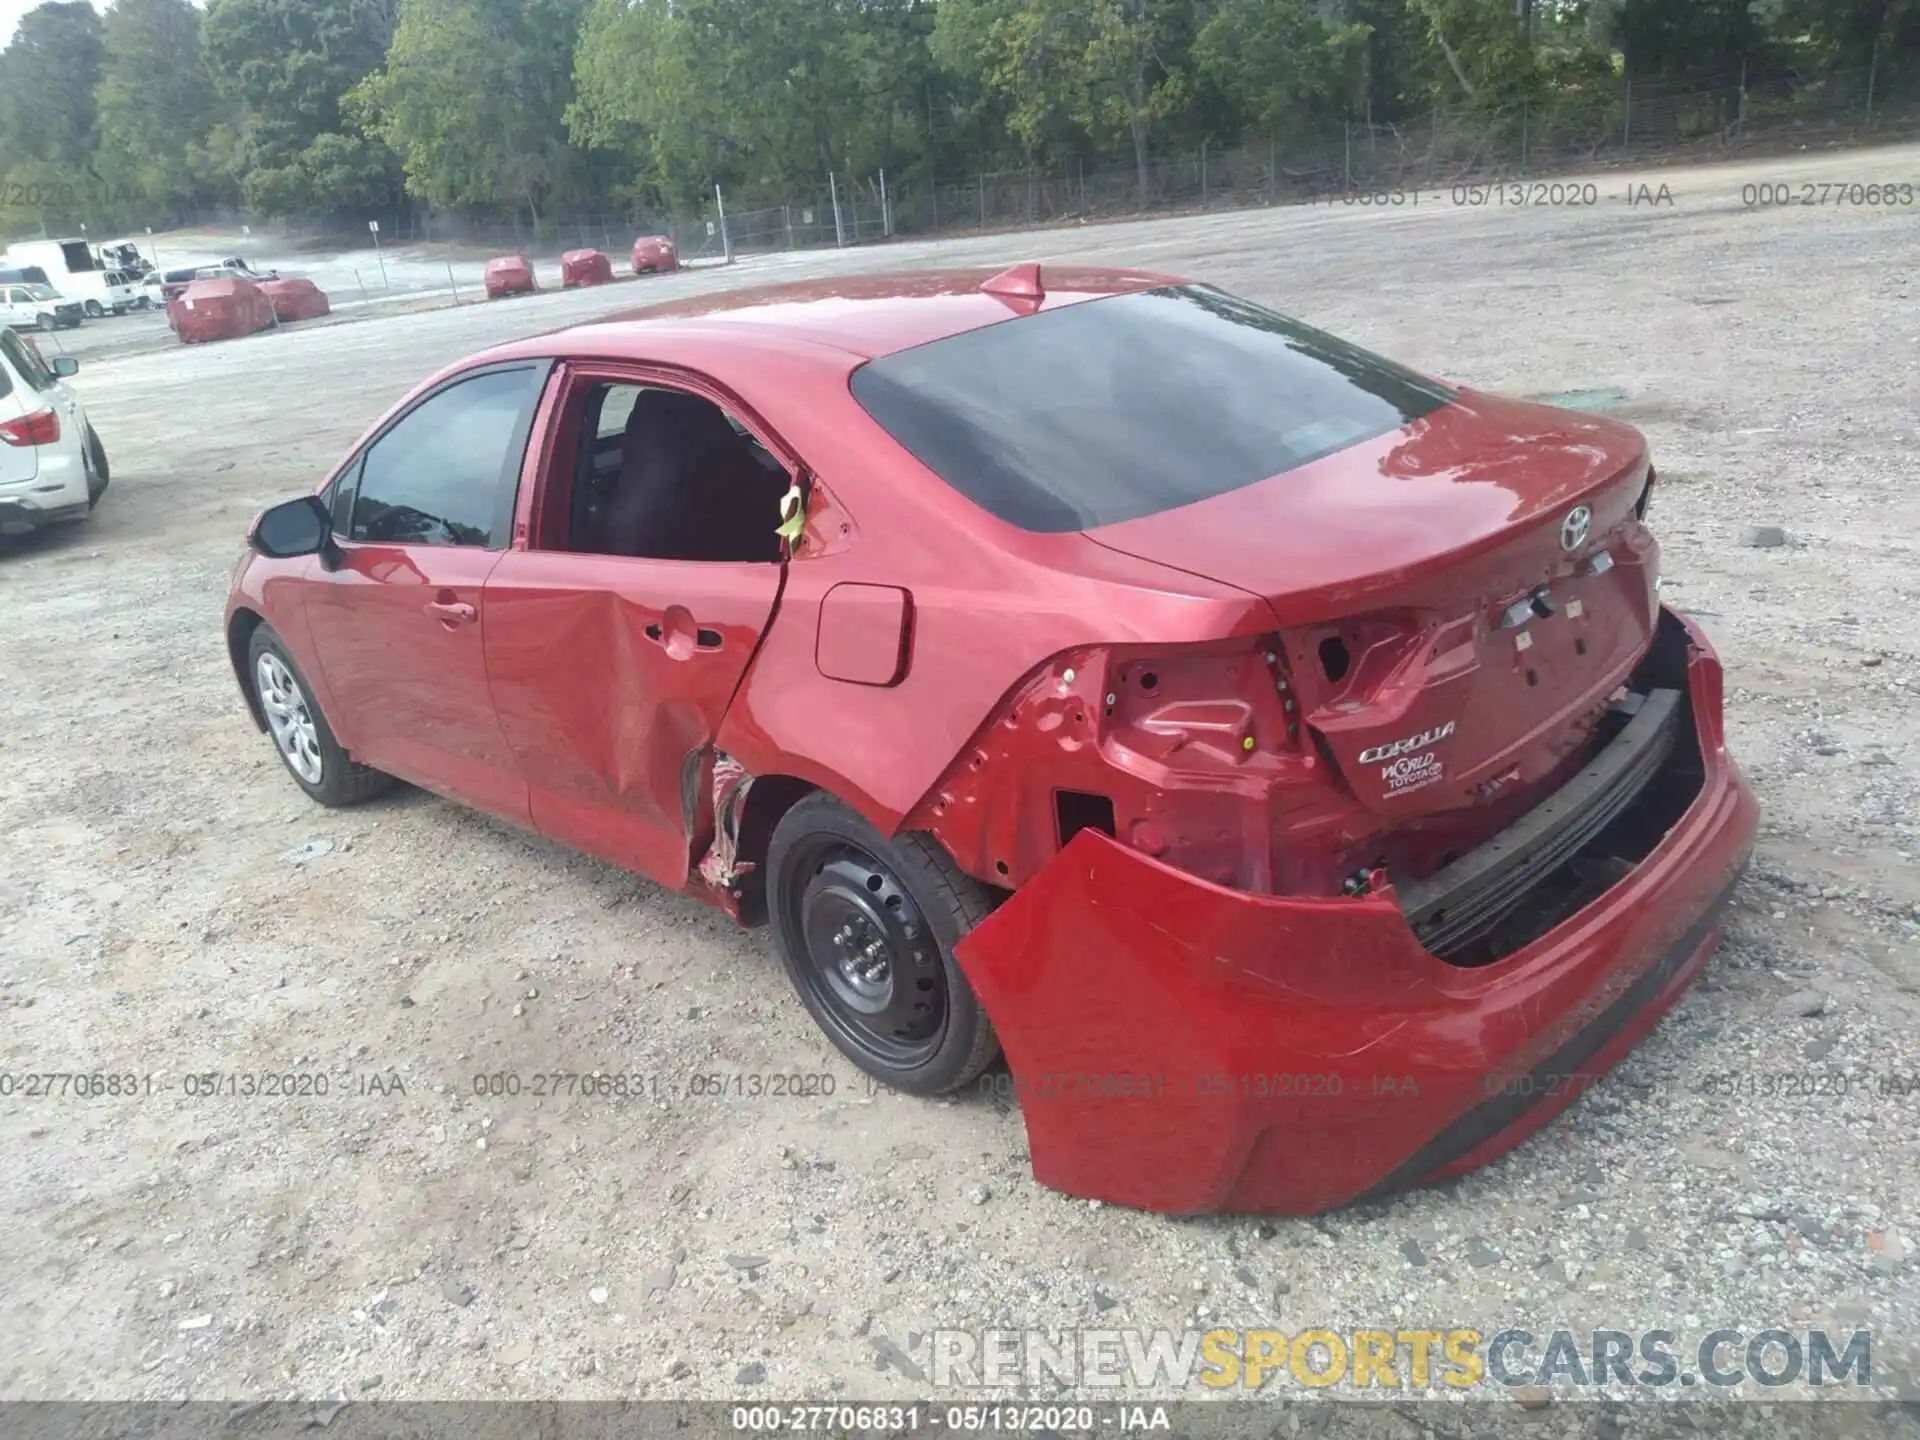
1077 810
1334 659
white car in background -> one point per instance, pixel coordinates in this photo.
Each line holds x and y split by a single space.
52 465
37 307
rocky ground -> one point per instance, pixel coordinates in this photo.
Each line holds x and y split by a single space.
170 904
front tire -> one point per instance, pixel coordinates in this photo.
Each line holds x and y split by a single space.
95 310
867 928
301 735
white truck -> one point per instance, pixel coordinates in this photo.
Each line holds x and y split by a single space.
74 270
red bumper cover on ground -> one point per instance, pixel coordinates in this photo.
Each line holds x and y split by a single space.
296 299
509 275
584 267
219 310
1178 1046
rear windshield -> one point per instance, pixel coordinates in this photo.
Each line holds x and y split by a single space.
1126 406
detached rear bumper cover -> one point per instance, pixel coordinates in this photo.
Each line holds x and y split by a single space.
1183 1047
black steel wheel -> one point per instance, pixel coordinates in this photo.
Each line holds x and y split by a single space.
867 927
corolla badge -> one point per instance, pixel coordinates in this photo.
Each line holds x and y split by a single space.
1408 745
1573 529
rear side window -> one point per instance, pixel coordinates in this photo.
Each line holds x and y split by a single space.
446 472
1121 407
24 356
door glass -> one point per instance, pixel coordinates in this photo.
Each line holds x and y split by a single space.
26 359
669 475
446 473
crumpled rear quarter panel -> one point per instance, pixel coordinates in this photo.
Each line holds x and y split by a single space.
1184 1047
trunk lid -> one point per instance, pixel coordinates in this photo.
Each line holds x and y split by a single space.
1458 599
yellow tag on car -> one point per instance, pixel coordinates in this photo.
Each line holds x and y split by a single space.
792 517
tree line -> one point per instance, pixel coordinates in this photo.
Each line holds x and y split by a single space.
159 110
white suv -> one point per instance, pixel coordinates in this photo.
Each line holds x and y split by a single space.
52 465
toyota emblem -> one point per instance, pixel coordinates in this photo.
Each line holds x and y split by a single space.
1573 529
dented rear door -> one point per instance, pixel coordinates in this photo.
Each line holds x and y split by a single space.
610 676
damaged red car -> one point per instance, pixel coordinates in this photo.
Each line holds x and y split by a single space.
1281 755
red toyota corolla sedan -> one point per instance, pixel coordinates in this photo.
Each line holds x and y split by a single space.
1283 755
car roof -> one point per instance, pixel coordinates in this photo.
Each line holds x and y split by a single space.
853 318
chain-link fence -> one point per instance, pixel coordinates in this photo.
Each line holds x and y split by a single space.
1709 117
1625 121
1630 122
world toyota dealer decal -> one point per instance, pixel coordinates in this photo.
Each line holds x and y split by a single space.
1409 764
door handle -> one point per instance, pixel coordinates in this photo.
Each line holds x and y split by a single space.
676 633
703 638
451 612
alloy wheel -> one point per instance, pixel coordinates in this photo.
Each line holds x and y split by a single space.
288 717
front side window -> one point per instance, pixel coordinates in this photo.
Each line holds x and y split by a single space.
447 471
1111 409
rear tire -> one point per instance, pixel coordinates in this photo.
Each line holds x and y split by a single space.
47 323
301 736
867 928
96 464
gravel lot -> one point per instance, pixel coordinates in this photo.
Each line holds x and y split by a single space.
164 909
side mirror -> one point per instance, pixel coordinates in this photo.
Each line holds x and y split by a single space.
66 367
298 527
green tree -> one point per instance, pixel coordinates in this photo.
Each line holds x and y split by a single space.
1700 38
762 93
1282 61
157 110
48 74
1853 34
473 100
285 64
1108 69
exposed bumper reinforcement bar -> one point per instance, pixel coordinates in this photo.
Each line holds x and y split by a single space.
1456 906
